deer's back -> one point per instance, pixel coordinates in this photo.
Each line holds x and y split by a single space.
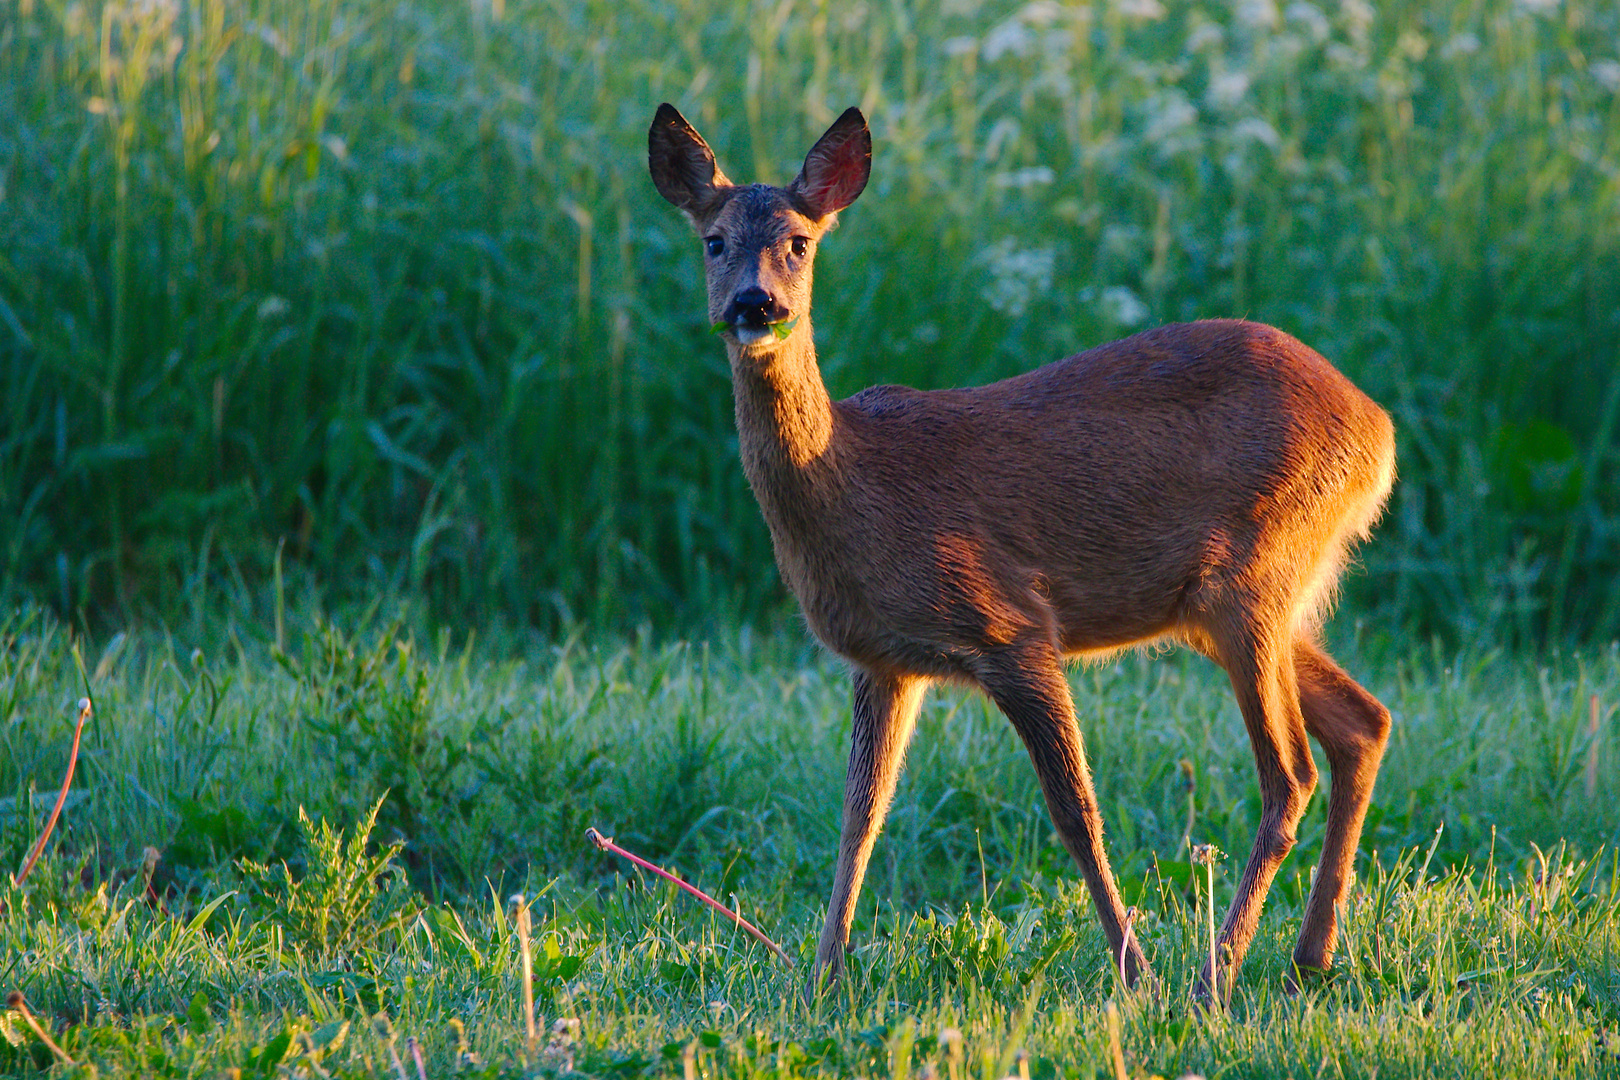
1109 492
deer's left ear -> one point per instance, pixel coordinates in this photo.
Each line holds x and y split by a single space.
837 168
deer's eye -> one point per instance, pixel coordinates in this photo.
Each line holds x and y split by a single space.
800 245
714 246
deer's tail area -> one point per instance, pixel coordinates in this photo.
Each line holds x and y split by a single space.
1363 505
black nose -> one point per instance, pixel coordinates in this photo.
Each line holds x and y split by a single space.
754 306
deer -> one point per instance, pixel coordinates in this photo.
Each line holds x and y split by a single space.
1199 484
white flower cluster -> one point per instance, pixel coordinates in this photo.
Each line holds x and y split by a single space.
1017 275
1122 307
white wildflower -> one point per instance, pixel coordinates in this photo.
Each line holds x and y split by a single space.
1126 241
1169 113
1309 18
1141 10
1344 58
1544 8
1120 306
1205 35
1413 45
1011 36
1017 275
1256 14
1285 48
1227 89
272 306
962 45
1358 15
1171 122
1607 74
1254 129
1024 179
1463 44
1041 12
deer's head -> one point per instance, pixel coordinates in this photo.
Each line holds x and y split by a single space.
759 242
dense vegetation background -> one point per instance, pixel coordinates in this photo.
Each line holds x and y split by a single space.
378 297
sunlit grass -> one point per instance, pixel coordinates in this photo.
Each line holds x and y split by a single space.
1483 933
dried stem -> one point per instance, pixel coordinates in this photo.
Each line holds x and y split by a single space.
605 843
1205 855
1594 728
1125 945
522 918
1115 1043
56 812
15 1000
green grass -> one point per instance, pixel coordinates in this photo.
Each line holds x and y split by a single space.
380 295
1483 937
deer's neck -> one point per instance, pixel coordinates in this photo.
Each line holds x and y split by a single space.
786 430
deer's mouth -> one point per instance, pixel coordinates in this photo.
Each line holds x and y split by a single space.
752 332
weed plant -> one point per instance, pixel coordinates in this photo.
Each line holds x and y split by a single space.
309 880
379 296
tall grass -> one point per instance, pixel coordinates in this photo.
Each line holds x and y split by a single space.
380 295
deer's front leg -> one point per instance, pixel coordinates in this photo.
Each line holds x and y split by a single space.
885 711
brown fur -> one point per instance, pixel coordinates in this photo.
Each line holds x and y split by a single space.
1199 483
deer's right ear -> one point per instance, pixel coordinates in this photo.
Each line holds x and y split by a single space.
681 163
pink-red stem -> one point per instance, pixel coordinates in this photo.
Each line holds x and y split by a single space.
605 843
67 782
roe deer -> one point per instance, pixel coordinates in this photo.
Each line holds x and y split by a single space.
1199 483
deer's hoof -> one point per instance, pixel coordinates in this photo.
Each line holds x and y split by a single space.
1303 976
824 975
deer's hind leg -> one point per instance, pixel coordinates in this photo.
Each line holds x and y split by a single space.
1259 662
1026 682
1353 728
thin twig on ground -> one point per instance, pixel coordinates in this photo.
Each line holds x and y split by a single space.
56 811
16 1001
605 843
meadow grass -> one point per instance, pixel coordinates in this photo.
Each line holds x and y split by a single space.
380 296
339 820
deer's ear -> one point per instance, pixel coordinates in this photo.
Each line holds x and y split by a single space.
681 163
836 169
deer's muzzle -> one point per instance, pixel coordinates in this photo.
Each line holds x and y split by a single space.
754 309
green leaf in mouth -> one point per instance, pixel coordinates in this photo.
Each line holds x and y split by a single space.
781 329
